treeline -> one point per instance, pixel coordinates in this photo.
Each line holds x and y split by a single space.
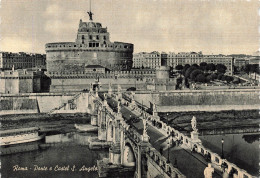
250 68
203 73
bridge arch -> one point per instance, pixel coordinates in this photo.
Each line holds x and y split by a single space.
110 130
129 156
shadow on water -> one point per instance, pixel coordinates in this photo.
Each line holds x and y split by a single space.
61 155
251 138
240 149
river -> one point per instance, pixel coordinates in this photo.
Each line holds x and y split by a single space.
240 149
62 155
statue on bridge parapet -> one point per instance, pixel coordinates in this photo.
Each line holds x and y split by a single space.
145 135
194 133
194 124
119 93
119 107
91 88
110 90
155 113
105 99
208 171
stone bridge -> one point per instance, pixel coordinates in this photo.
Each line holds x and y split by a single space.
130 153
126 127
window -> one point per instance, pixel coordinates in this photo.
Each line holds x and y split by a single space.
90 37
104 37
97 37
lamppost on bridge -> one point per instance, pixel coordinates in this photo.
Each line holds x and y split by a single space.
222 153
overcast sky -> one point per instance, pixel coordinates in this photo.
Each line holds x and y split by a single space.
216 26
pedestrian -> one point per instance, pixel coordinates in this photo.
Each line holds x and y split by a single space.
161 151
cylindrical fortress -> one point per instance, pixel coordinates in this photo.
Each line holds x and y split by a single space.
92 47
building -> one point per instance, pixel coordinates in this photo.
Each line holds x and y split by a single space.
20 81
240 62
191 58
22 60
183 58
147 60
228 61
91 47
151 60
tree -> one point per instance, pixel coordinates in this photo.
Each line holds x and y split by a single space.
221 68
179 67
211 67
187 83
229 79
214 76
203 66
188 71
201 78
223 78
209 78
195 65
236 81
220 75
194 74
247 68
185 68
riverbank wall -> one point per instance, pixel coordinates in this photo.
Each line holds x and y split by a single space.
201 100
32 102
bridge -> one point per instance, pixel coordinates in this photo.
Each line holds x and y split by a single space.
140 144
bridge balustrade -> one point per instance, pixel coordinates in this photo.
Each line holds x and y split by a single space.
155 155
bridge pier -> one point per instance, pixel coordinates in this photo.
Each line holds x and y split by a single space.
102 129
115 154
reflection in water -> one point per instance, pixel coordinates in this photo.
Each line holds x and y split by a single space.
251 138
240 149
66 152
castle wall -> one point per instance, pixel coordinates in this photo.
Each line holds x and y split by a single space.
72 57
26 85
11 85
78 84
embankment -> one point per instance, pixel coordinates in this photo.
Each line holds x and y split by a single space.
32 102
202 100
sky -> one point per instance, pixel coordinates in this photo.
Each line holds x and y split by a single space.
213 27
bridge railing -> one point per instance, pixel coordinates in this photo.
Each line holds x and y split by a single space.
161 161
152 153
167 130
209 155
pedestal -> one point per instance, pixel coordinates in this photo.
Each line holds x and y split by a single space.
195 137
115 154
94 120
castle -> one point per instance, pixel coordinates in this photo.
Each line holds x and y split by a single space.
92 47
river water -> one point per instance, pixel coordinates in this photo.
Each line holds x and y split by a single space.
240 149
62 155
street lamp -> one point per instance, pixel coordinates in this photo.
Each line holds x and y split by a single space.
168 159
222 153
